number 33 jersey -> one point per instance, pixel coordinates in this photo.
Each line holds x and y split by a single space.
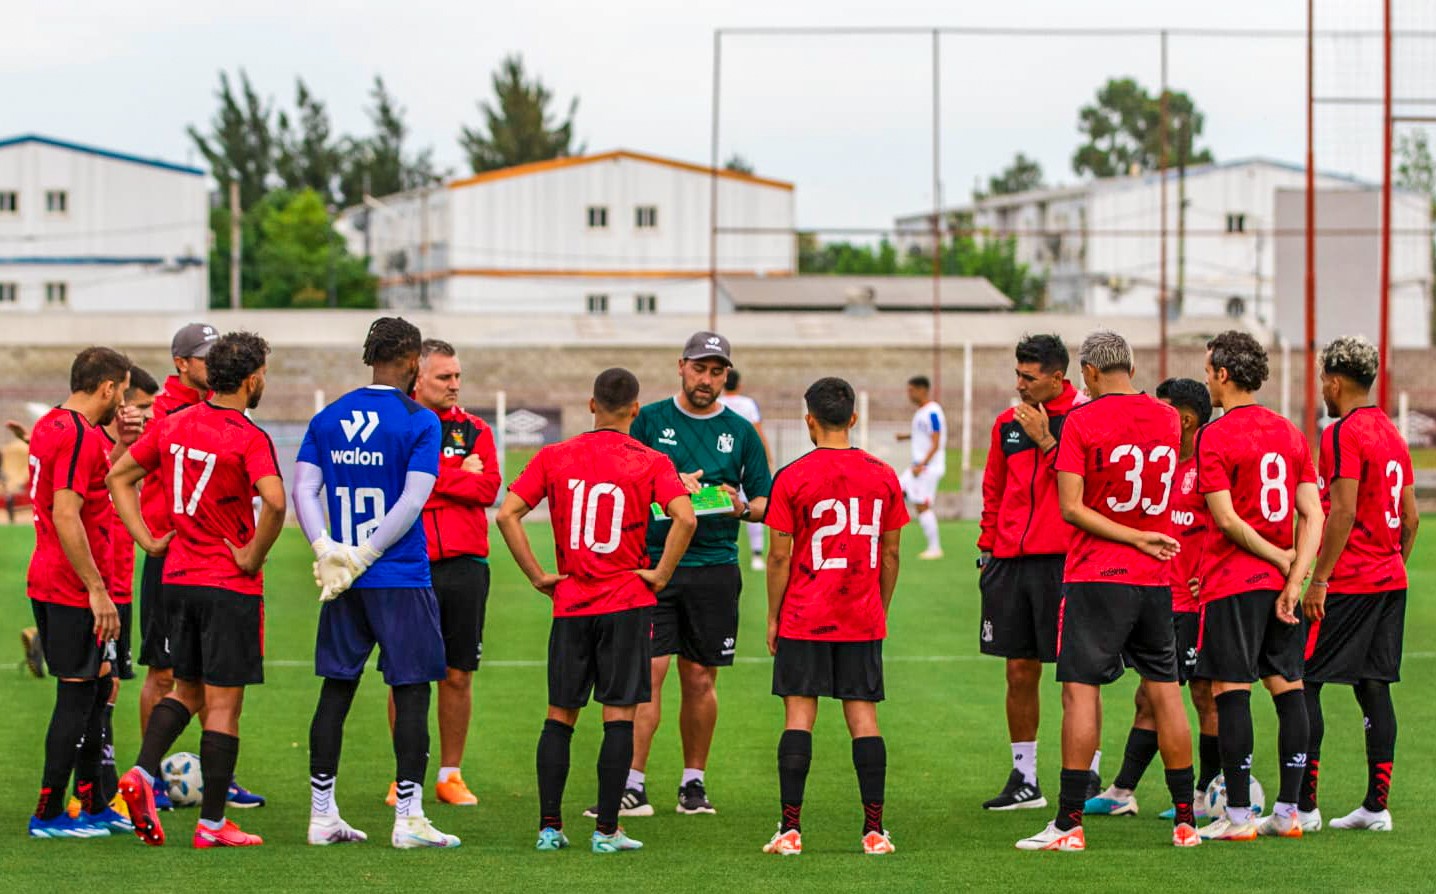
1259 457
209 460
836 504
1125 447
1364 446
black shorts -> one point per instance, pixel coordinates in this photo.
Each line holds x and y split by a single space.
1359 639
461 585
123 666
67 636
609 655
1101 626
1188 627
697 615
218 636
1020 598
849 671
1242 641
157 615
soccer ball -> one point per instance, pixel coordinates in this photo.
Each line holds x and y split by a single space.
182 777
1217 797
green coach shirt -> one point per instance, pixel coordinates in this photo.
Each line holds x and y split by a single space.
727 448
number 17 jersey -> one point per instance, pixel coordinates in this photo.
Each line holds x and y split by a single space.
836 504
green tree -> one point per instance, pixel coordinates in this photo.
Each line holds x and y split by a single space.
1122 130
517 127
307 153
1415 169
240 144
738 164
993 259
1023 174
380 164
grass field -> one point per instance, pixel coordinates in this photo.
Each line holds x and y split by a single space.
947 749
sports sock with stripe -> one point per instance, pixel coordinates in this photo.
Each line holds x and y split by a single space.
1380 714
870 759
73 700
795 756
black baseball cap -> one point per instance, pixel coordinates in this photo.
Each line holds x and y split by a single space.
193 340
703 345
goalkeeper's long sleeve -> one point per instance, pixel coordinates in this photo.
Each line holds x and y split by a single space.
308 508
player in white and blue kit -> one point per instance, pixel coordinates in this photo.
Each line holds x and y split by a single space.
929 460
376 454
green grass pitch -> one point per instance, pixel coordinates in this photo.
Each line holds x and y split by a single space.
947 747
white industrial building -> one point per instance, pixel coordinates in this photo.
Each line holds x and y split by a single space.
1099 245
614 233
90 229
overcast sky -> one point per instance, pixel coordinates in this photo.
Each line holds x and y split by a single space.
846 118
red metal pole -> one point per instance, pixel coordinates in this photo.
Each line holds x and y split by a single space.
1384 379
1308 411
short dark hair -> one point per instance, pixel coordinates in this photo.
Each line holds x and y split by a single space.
920 382
830 401
95 366
391 339
1047 351
1242 356
143 381
234 357
1187 394
615 389
733 379
430 346
1354 357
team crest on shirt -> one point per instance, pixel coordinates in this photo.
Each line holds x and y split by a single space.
725 443
1189 481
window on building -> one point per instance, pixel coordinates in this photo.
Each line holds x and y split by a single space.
645 304
598 217
57 294
9 202
1236 223
9 292
57 201
598 304
645 217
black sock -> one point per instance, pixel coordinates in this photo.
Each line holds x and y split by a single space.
795 756
218 753
553 745
73 701
1141 748
1180 785
1234 737
1209 761
167 721
1293 733
870 759
109 776
411 732
326 730
1316 726
1072 797
615 756
1380 714
92 748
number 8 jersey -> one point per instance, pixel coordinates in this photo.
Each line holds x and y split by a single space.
1125 447
1260 457
1364 446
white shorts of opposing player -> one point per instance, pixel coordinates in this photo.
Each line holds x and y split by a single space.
921 490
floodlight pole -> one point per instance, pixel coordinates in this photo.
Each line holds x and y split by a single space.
936 224
1383 383
1162 228
1308 410
713 188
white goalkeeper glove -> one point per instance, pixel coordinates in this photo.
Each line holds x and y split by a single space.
361 557
332 572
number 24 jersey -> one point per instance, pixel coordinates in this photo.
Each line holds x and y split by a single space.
836 504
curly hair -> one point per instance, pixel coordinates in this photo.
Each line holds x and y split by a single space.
1187 394
234 357
1354 357
1242 356
391 339
1047 351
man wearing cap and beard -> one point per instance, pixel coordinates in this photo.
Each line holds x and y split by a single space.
697 613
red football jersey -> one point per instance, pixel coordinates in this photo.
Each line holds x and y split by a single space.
1191 525
1125 447
154 499
1365 446
599 486
836 504
209 459
68 453
1259 457
120 578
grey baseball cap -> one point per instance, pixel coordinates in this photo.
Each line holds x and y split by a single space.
702 345
193 340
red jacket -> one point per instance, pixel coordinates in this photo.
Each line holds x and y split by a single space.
1020 514
454 519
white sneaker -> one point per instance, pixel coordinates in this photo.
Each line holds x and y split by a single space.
1361 818
1310 822
1223 829
758 564
1277 826
325 830
1054 839
930 554
417 831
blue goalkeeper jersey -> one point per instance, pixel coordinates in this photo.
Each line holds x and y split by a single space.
367 442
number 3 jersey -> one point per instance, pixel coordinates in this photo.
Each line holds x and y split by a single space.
209 459
836 504
1259 457
599 486
1125 447
1364 446
366 443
